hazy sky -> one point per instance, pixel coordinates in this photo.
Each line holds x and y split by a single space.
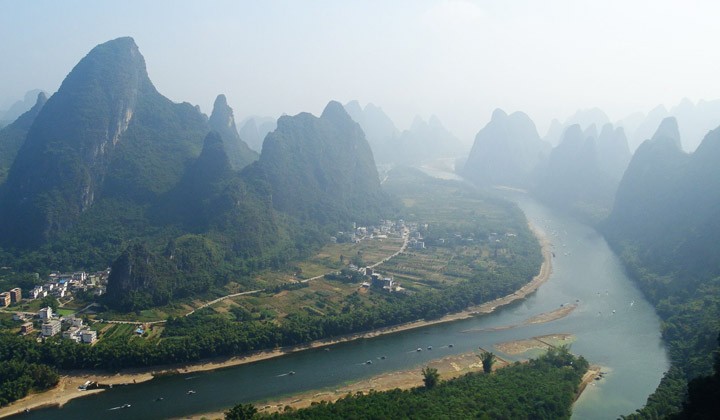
453 58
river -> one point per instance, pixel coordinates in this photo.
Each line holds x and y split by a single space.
614 325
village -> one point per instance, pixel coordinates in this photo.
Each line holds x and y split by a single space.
42 312
48 322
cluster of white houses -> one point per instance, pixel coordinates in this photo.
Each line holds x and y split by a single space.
63 284
359 233
52 325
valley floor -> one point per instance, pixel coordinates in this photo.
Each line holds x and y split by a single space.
67 389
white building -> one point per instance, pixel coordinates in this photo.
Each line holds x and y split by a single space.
51 328
73 333
36 292
89 336
45 313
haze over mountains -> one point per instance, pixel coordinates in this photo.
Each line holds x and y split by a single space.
695 121
20 107
423 141
677 232
109 171
254 129
13 135
507 151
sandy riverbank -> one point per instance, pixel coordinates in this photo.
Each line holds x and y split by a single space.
67 388
542 318
448 368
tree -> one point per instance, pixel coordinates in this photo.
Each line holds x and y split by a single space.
241 412
703 395
431 377
49 301
488 359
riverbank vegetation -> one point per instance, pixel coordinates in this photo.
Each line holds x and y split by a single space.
688 302
543 388
18 378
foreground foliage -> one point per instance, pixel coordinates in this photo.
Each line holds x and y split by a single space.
703 399
543 388
18 378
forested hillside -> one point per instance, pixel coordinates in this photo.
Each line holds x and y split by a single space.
665 228
321 170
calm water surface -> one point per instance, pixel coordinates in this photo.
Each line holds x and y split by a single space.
614 325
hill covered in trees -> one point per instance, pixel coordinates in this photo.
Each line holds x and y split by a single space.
664 226
582 173
321 170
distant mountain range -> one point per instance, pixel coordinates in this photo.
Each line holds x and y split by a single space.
13 135
20 107
694 119
254 129
423 141
580 174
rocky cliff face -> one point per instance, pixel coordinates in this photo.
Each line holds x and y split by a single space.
106 131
